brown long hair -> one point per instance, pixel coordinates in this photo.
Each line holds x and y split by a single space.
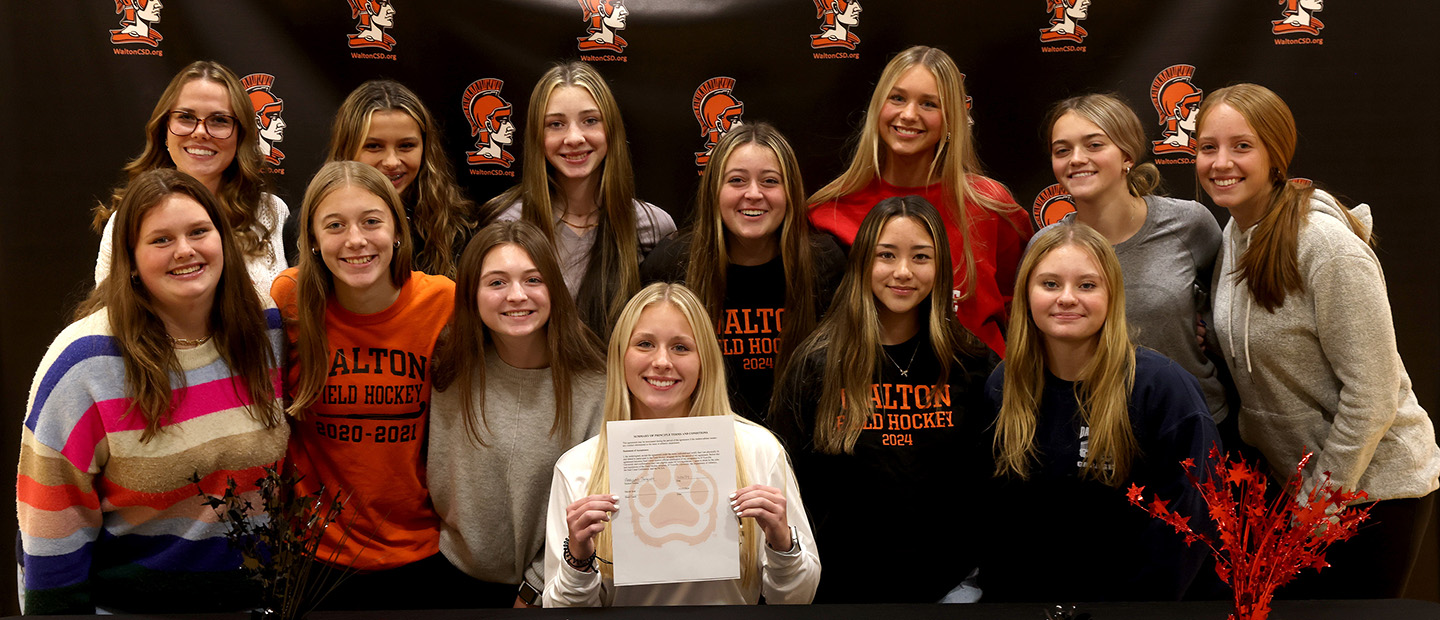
241 184
612 271
237 319
956 164
315 283
709 256
460 354
850 334
1270 267
1103 391
443 216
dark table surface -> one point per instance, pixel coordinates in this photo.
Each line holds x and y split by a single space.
1393 609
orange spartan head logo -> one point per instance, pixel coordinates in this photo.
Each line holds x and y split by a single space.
1051 205
597 10
366 10
129 8
257 86
484 108
674 498
1057 9
828 10
716 108
1174 95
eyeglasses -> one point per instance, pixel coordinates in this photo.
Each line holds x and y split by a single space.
218 125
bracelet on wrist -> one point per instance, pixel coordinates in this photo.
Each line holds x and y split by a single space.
586 565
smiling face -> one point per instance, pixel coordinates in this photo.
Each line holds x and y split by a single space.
1233 165
355 232
574 133
752 193
1086 162
199 154
513 299
902 273
394 146
1069 297
178 256
910 120
662 366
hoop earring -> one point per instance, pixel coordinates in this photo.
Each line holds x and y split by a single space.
315 251
397 244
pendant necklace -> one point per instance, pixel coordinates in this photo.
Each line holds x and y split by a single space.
904 372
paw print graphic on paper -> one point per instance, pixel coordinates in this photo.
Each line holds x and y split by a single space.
674 498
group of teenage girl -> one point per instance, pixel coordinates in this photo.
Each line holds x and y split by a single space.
445 369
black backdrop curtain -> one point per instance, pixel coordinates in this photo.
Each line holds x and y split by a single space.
78 80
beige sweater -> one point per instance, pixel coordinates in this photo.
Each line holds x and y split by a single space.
1322 372
491 500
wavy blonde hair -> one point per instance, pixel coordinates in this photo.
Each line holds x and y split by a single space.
955 163
709 399
1103 390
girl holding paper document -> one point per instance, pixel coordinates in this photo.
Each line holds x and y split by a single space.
664 361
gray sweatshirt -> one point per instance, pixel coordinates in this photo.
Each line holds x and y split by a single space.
1322 373
492 499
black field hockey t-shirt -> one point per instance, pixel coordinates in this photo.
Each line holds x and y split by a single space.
890 519
749 328
753 314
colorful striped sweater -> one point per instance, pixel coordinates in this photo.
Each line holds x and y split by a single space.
107 520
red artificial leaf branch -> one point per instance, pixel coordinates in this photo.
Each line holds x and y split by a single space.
1260 545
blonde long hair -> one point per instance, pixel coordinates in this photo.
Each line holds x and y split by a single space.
315 283
955 163
710 398
1103 391
1270 266
612 271
850 334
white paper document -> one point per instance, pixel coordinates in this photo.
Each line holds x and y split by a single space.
674 477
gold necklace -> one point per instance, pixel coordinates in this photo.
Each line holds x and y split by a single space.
579 226
188 343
